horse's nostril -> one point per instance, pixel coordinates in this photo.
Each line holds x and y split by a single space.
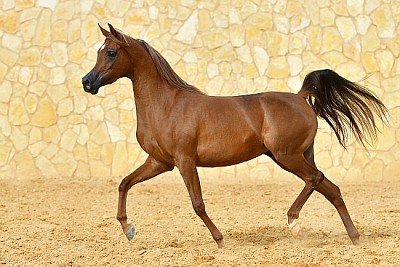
86 83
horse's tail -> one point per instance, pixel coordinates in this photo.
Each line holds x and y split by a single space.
344 105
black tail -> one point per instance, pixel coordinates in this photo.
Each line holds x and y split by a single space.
344 105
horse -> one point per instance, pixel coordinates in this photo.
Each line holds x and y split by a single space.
180 126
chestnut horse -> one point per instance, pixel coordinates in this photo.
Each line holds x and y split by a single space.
178 125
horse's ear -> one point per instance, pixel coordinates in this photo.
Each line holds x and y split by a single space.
118 36
104 31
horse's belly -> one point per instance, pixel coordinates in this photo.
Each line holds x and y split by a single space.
218 153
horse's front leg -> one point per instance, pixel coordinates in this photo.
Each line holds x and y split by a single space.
149 169
191 178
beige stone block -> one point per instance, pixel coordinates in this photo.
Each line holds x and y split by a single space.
8 5
374 170
255 36
331 40
6 91
82 170
26 75
277 44
5 152
352 70
99 169
3 71
216 37
297 43
212 70
51 134
248 8
80 104
387 139
23 4
323 159
36 148
362 23
369 62
115 132
9 21
19 139
94 151
17 113
35 135
370 41
46 167
80 153
391 84
250 71
346 28
278 68
59 52
31 102
65 163
314 38
188 31
100 135
65 10
50 151
237 35
12 42
214 86
383 19
327 17
8 57
25 166
225 70
385 62
107 153
43 29
5 127
90 31
334 58
38 88
352 49
112 115
137 16
65 107
120 159
391 171
68 140
28 29
244 54
74 30
57 76
45 114
30 56
60 31
224 53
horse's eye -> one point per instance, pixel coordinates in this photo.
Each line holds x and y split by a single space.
111 53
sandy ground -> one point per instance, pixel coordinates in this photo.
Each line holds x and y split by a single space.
71 222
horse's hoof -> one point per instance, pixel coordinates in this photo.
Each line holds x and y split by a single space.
130 233
220 243
294 228
355 240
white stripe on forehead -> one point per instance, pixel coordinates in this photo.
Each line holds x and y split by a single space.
102 47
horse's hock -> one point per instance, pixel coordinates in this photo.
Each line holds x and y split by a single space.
50 128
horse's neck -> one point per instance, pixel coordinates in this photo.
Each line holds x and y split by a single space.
152 98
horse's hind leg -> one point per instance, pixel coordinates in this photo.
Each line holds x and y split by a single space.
332 193
315 180
149 169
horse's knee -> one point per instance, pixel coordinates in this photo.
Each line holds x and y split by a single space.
199 208
124 185
317 178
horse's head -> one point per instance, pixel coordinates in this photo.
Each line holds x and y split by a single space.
112 62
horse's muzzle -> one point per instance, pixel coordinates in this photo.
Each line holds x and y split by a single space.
91 83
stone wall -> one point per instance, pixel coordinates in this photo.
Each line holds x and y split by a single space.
50 128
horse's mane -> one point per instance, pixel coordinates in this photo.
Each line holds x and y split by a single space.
165 70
